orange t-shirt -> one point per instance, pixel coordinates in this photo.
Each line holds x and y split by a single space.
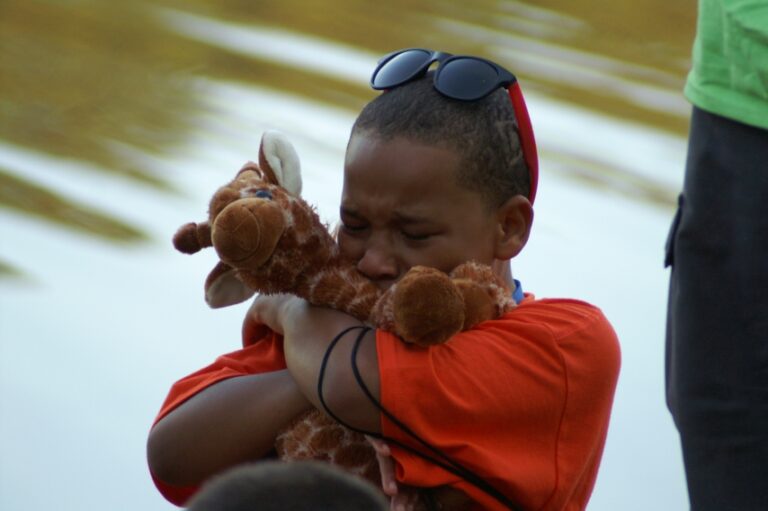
522 401
261 354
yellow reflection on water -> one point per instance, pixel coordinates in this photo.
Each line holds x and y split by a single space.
98 81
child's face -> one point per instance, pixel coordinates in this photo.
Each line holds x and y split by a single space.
401 206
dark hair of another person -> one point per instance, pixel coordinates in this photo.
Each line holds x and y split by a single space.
296 486
483 133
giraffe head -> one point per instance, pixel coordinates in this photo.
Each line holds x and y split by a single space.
269 240
247 218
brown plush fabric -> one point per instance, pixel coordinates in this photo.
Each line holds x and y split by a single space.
315 436
428 307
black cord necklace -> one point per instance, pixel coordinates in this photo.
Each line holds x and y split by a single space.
436 457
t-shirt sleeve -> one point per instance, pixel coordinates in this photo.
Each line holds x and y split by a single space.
263 355
492 401
462 398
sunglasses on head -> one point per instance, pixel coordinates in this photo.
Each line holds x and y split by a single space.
464 78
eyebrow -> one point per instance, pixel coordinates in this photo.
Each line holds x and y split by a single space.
400 217
410 219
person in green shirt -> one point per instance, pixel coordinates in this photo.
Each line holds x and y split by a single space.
717 321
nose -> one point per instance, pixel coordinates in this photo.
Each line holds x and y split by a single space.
379 264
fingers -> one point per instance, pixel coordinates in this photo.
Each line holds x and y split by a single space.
250 325
387 469
386 466
253 330
266 310
405 500
380 446
402 498
263 313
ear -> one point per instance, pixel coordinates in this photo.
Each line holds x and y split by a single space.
277 155
223 288
515 218
192 237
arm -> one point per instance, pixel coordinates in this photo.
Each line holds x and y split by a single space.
308 331
230 422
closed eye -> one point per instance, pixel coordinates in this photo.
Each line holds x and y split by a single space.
412 236
352 228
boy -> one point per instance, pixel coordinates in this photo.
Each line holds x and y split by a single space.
514 412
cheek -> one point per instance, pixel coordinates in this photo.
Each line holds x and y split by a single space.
441 255
457 250
349 247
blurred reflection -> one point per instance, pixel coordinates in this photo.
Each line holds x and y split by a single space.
102 82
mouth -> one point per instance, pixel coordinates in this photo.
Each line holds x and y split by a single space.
384 285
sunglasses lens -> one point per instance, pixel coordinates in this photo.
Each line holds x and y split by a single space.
400 68
467 79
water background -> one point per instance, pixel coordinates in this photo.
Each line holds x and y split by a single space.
118 120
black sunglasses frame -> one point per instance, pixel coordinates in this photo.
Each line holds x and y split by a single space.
504 79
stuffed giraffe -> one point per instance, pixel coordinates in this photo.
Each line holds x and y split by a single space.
269 240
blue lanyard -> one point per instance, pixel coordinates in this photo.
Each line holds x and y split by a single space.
517 294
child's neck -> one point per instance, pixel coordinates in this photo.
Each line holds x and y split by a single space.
504 270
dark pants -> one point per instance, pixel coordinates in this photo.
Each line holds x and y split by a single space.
717 322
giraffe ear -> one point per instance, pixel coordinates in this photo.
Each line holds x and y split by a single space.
278 157
223 288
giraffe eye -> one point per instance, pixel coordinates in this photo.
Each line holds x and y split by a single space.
263 194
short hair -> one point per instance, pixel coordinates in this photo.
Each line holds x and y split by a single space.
281 486
484 133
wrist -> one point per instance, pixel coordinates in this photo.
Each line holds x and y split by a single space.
290 313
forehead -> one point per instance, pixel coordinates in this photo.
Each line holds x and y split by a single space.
411 177
372 160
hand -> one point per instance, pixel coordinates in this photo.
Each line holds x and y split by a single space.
266 311
409 498
386 465
401 498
